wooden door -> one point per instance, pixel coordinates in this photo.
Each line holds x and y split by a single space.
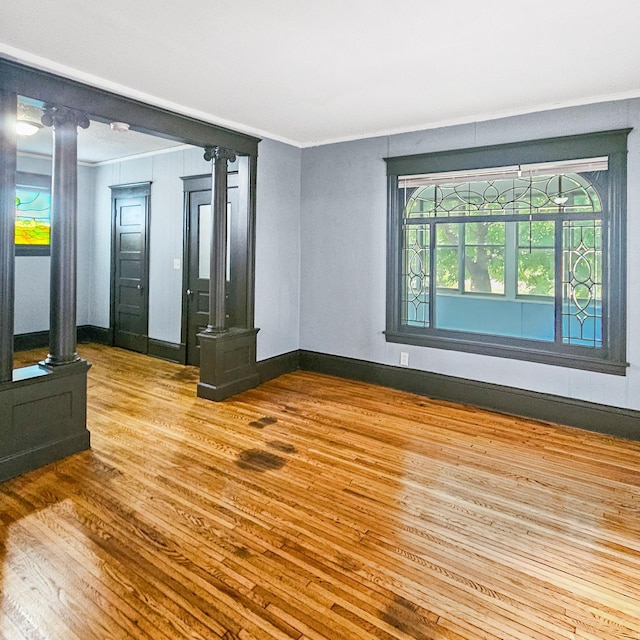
200 221
130 269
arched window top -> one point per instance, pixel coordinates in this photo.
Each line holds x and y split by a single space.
532 190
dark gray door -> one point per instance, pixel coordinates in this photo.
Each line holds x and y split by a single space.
198 266
130 297
200 221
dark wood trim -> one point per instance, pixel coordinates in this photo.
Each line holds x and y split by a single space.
40 339
101 335
109 107
200 182
91 333
190 185
227 363
185 264
131 190
33 340
38 456
512 348
624 423
588 145
168 351
37 180
278 365
8 159
611 357
249 183
44 415
615 421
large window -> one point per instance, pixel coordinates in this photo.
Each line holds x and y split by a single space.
516 251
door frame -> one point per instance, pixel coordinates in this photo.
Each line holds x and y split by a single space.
132 190
241 247
190 185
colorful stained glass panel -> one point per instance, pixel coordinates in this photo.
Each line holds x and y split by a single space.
33 217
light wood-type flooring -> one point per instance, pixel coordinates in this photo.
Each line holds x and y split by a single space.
315 507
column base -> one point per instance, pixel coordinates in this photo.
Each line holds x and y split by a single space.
43 417
227 363
54 361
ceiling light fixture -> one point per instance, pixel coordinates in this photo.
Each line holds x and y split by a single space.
27 127
119 126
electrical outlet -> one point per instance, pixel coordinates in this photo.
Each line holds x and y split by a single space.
404 359
176 264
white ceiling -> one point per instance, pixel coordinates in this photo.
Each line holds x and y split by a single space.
315 71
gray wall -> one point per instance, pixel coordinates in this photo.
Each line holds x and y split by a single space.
32 272
321 249
165 240
277 241
278 249
343 246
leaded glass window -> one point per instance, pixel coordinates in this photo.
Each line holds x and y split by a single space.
512 256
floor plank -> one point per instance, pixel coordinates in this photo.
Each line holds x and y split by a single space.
314 507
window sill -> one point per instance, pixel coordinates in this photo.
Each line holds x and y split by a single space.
512 348
23 251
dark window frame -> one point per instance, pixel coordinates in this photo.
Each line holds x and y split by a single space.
611 358
39 181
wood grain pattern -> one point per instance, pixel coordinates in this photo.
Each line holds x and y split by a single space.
314 507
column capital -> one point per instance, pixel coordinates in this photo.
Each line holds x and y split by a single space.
219 153
55 116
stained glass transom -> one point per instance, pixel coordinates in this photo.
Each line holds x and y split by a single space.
533 195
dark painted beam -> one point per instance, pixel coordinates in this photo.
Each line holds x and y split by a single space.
8 108
108 106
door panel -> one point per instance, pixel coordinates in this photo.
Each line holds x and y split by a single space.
130 314
198 271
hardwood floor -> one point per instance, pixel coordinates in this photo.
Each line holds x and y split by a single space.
315 507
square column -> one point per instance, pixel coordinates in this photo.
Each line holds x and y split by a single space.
43 409
227 354
8 108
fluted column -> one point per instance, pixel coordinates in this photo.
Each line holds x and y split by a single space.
8 107
64 205
218 266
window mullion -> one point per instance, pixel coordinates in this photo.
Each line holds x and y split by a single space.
558 280
462 256
432 273
510 261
